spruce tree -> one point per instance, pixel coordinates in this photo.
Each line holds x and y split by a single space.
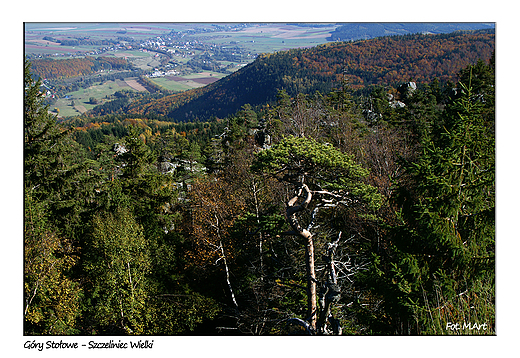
51 295
442 251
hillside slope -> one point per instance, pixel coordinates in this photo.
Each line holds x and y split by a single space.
380 61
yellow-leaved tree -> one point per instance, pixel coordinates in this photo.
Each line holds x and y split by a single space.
51 299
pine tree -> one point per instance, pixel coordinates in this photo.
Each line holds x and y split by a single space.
322 178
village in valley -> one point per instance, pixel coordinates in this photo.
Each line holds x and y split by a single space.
168 58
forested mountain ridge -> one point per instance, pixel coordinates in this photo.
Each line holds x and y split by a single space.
380 61
358 31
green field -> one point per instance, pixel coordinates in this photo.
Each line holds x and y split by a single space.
81 98
205 74
94 31
101 91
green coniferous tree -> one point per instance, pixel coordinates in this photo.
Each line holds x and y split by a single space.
51 296
44 142
442 252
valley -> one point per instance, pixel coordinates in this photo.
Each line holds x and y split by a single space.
174 57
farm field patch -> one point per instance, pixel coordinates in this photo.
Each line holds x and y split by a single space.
77 102
183 83
134 84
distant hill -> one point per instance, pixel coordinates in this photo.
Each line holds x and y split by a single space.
359 31
379 61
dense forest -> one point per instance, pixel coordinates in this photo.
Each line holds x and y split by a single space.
380 61
326 212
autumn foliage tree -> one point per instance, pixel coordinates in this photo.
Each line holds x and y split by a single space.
63 68
212 220
118 261
378 61
51 297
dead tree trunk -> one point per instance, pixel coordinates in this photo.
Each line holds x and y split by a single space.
330 292
292 209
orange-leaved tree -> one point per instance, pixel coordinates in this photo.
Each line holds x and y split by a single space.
214 209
